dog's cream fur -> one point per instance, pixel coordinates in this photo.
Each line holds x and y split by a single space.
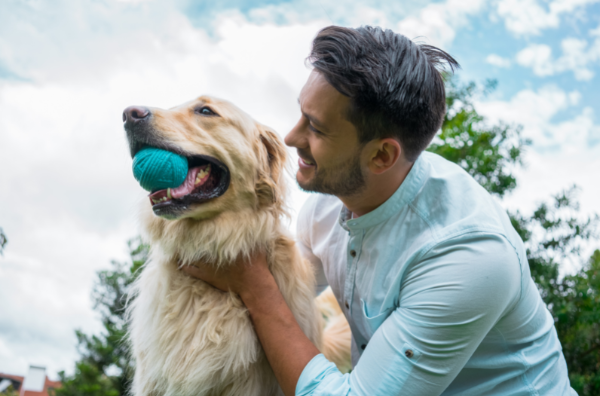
187 337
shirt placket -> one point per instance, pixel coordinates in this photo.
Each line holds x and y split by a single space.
353 255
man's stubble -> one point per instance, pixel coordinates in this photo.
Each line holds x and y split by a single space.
344 180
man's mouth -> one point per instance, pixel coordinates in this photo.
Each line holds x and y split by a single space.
305 163
207 178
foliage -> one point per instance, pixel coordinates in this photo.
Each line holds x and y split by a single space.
578 326
485 152
554 235
3 241
10 391
105 367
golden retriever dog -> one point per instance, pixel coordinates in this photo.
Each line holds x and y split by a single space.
187 337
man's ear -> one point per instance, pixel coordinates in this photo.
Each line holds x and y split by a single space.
383 154
272 154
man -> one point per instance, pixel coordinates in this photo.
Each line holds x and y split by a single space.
427 268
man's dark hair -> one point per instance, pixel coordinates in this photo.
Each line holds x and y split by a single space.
394 85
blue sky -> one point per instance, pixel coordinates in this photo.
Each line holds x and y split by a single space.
69 67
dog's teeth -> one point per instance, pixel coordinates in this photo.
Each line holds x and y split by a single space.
169 193
202 174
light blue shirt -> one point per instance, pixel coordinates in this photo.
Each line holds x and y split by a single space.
437 290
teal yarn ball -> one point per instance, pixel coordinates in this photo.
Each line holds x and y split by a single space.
157 169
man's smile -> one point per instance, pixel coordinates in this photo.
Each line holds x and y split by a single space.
304 162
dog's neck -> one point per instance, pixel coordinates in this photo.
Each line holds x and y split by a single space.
217 241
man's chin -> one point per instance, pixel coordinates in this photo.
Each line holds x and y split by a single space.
304 177
306 184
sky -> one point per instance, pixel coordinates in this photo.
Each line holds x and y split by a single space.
68 68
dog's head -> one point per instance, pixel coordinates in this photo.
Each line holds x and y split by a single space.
234 162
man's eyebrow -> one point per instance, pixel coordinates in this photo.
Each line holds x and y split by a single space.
311 118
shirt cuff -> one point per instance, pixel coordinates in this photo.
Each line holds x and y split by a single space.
312 375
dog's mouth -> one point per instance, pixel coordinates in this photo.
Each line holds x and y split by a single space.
207 178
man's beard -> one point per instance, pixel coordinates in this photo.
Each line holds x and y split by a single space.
344 180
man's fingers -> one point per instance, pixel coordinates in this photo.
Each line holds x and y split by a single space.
193 271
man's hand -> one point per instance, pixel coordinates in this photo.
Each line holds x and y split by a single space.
239 276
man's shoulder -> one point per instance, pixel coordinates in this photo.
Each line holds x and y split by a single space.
319 210
453 200
318 205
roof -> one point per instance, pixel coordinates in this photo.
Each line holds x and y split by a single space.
18 381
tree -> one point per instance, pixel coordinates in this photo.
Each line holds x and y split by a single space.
554 234
3 241
10 391
105 367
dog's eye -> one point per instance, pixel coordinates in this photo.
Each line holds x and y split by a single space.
206 111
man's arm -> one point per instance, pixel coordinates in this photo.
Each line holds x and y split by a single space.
287 348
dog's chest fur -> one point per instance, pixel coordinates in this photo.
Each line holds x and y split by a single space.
191 339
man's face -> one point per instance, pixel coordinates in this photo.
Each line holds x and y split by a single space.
326 141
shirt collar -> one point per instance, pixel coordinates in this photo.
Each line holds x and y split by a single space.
401 197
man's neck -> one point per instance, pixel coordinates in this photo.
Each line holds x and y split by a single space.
378 189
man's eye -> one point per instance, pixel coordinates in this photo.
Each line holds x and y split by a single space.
206 111
312 128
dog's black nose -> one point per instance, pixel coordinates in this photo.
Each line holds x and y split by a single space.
134 114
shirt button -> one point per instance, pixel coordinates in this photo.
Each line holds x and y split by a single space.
353 253
409 353
347 305
363 346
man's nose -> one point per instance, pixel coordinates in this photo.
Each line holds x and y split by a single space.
294 137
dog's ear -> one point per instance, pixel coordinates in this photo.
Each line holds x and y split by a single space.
272 154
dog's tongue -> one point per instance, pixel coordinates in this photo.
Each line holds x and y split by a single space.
193 180
188 184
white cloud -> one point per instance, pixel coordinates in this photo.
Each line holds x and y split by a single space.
535 111
438 22
497 60
530 17
539 58
433 22
578 56
564 152
574 98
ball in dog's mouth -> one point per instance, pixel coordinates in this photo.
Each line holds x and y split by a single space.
207 178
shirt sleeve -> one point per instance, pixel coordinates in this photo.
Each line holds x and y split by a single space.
449 301
304 236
